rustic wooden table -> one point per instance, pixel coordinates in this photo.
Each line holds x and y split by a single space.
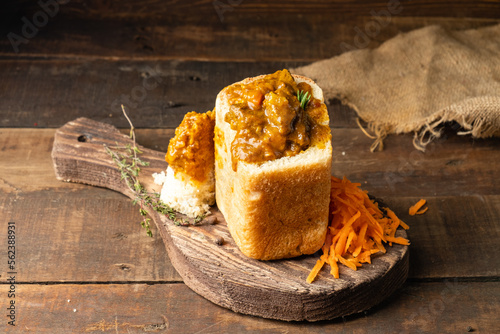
82 261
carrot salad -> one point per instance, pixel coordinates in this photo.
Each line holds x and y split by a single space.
358 229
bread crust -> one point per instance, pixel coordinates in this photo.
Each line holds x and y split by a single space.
277 209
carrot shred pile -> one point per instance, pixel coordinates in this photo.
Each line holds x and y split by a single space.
357 229
415 209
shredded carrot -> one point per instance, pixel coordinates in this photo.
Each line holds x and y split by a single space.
315 270
358 228
414 210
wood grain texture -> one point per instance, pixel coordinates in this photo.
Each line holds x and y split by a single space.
441 307
220 272
254 30
157 93
452 237
451 166
454 165
82 235
192 11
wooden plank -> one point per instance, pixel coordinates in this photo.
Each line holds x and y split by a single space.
441 307
157 94
452 165
49 93
453 236
25 161
85 235
228 30
192 12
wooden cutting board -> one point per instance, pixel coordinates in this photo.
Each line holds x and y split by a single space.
207 258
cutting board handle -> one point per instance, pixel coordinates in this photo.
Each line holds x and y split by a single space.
79 155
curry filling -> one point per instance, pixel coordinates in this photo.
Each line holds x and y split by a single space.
191 151
269 120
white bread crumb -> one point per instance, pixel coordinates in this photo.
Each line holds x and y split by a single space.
185 196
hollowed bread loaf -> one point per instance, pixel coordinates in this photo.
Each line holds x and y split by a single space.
277 208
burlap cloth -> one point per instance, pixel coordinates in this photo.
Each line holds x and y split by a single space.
419 80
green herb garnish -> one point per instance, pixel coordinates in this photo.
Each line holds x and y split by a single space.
303 98
128 162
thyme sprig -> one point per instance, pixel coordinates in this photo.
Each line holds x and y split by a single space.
126 157
304 97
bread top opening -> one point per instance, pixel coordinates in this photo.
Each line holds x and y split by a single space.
273 117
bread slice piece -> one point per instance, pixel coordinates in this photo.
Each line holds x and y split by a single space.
189 184
278 208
